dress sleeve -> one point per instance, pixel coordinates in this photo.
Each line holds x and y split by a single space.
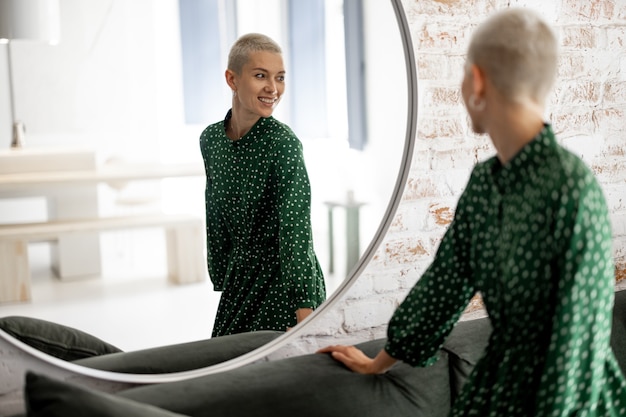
579 356
423 320
217 237
298 262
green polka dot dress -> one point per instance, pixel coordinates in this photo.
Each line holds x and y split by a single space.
533 237
259 239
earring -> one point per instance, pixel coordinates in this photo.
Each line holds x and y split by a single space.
476 104
234 93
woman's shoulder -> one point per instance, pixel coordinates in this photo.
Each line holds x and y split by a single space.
213 129
279 132
572 164
280 138
483 168
212 136
574 173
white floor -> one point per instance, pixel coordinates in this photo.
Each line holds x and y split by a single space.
131 310
131 306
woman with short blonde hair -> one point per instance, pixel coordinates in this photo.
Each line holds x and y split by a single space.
260 251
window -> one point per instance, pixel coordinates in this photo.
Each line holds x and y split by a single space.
307 63
208 28
322 43
355 73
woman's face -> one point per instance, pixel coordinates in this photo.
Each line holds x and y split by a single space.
260 85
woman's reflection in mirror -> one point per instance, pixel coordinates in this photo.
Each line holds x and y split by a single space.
260 251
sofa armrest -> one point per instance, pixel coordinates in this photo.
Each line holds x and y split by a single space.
465 346
183 356
60 341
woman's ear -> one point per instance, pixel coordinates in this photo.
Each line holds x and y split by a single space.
478 80
230 79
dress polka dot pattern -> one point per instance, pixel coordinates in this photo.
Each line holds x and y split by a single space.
533 237
259 239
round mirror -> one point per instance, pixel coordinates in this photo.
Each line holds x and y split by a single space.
358 160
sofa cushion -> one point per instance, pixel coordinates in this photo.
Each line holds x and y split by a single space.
183 356
465 345
310 385
55 339
47 397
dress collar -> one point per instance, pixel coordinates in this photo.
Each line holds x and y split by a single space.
251 134
525 162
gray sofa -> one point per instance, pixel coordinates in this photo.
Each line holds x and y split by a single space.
309 385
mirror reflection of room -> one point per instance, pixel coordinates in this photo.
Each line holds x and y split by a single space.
118 89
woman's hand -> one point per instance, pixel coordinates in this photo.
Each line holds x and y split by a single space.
358 361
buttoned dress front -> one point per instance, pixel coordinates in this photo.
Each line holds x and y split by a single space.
533 237
260 250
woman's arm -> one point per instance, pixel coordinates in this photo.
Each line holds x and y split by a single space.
300 268
303 313
218 242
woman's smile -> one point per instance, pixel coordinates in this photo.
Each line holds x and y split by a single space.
269 101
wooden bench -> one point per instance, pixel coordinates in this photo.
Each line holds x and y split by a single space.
184 240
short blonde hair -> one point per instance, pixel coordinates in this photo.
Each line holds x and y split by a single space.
251 42
518 52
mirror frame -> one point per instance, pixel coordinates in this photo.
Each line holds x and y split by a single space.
296 332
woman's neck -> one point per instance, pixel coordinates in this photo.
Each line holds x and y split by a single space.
514 127
238 125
